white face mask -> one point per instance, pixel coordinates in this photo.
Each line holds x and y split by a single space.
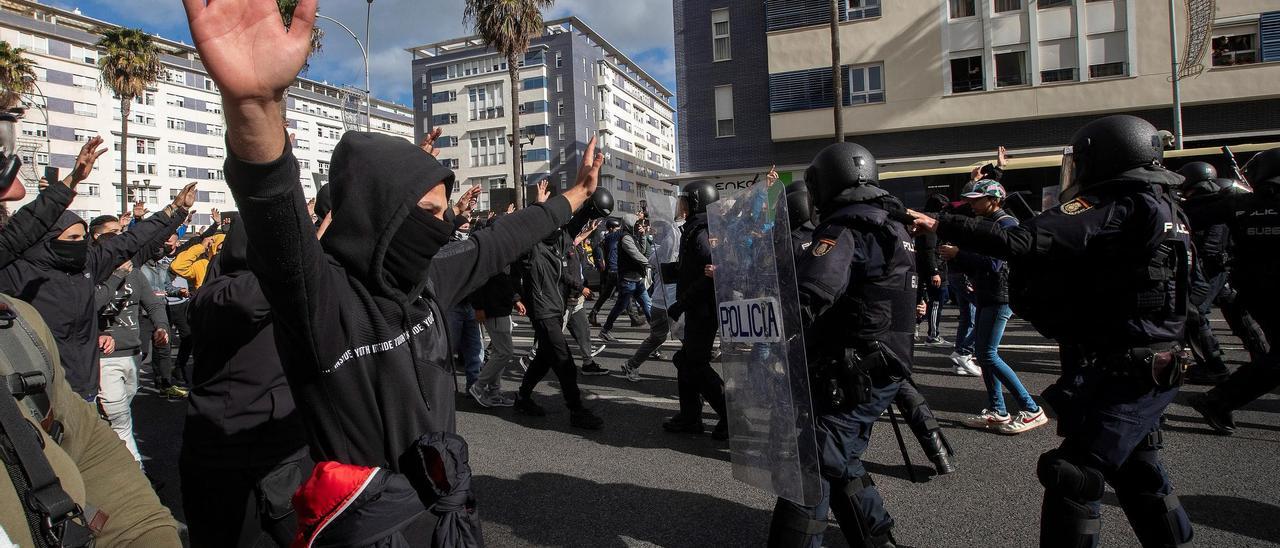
460 235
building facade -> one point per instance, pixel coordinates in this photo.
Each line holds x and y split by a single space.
175 128
941 83
574 86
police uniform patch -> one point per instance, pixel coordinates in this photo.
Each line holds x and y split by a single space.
1076 207
824 247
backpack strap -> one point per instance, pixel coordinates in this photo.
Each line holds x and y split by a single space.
26 365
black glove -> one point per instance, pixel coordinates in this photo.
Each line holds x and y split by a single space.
675 311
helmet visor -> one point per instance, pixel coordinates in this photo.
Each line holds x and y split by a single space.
1067 176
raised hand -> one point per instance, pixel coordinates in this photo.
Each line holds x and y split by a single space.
89 154
543 193
139 210
186 198
588 176
511 208
772 176
428 143
467 201
217 217
246 48
922 222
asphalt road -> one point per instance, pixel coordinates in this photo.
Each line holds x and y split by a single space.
541 483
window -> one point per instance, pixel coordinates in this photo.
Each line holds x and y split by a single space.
177 124
302 144
1058 75
1011 69
83 135
1235 46
84 81
720 43
31 130
488 148
560 132
216 197
86 109
560 107
90 190
866 85
215 152
724 111
178 148
442 97
966 74
559 60
559 84
215 108
304 164
1002 6
963 8
1044 4
484 102
861 9
177 171
322 167
213 129
1106 70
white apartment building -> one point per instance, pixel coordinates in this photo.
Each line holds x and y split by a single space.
574 85
176 129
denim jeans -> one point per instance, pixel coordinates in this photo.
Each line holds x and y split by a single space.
990 329
627 290
964 302
464 336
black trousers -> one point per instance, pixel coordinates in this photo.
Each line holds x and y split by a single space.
608 284
915 410
553 355
249 507
1262 374
695 379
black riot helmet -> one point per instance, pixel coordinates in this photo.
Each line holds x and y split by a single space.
1196 172
600 205
799 204
843 173
1263 171
612 224
1107 147
698 195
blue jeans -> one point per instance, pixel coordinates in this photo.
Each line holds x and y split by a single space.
464 337
964 301
627 290
991 322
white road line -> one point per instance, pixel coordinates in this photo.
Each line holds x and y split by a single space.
640 399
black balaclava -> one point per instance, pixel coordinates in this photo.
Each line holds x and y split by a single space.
459 233
69 256
415 243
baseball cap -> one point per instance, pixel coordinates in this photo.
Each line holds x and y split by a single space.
986 187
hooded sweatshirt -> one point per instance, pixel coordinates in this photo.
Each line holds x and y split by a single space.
66 299
367 361
28 225
240 411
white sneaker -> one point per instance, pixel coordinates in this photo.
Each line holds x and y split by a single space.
937 342
971 366
965 365
1024 422
958 358
987 419
597 350
631 373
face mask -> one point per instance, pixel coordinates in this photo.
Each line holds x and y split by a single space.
411 249
69 256
460 235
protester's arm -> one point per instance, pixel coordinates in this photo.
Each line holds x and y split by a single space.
113 482
632 250
105 291
980 236
154 304
185 263
31 222
104 258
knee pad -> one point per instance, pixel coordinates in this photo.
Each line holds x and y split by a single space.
793 526
1070 480
846 504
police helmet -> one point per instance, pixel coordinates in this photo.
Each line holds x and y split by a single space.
799 204
1263 170
613 223
698 195
1227 185
1196 172
1107 147
600 205
844 172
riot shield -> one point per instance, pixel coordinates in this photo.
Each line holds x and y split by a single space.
666 245
770 410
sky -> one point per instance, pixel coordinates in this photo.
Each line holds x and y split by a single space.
642 29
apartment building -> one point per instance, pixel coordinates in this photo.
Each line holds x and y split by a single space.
574 85
176 128
943 83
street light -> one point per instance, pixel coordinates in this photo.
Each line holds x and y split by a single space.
526 139
44 110
368 99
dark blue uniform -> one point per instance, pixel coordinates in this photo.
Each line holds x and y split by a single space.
858 287
1107 275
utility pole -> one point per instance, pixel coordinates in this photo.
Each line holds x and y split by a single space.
837 83
1177 86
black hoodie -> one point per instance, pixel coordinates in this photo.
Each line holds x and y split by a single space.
27 226
368 364
66 300
240 411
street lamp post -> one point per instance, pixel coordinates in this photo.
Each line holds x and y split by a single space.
365 54
368 103
44 110
524 139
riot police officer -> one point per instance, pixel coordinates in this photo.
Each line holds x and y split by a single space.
1254 220
1210 274
857 301
696 300
1121 239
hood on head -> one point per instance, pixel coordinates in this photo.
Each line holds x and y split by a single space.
628 221
324 201
40 254
233 258
375 180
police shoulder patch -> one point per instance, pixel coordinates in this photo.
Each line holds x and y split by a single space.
824 247
1076 206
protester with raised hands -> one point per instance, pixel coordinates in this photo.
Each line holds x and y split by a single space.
58 276
27 227
359 313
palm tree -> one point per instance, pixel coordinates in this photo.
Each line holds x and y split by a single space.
130 62
17 75
507 26
286 12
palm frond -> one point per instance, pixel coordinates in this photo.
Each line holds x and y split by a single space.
17 75
507 26
129 61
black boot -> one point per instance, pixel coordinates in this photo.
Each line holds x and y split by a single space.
684 424
937 452
1218 419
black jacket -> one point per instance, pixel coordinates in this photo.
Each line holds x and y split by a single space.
240 412
498 296
66 300
368 364
695 291
544 269
27 226
989 275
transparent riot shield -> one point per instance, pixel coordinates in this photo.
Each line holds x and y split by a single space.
771 441
666 245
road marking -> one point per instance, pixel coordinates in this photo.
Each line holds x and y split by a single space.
640 399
